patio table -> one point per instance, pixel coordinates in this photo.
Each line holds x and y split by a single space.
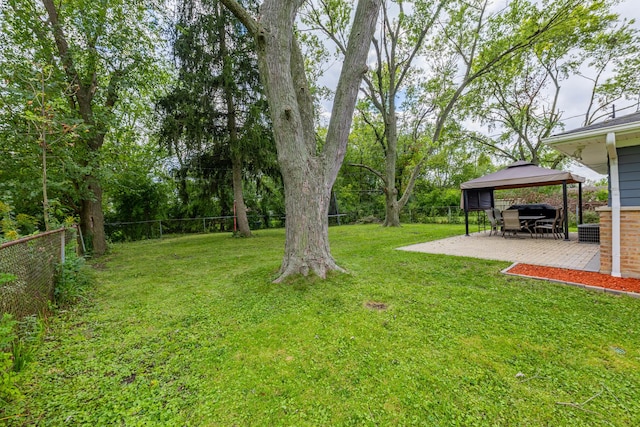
530 220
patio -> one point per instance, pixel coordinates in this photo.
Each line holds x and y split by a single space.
544 251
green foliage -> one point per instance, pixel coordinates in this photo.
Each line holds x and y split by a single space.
29 333
602 195
9 226
137 189
521 102
8 387
73 280
19 341
66 92
180 334
214 118
6 278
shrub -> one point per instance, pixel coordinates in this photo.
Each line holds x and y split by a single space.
73 279
29 334
8 389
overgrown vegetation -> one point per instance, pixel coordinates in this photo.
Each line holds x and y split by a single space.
8 389
191 331
19 341
73 279
20 338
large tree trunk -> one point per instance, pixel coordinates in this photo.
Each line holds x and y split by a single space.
308 173
307 206
392 208
242 221
92 219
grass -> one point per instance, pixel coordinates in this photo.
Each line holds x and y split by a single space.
190 331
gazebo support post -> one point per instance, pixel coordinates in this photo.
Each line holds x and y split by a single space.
566 213
579 203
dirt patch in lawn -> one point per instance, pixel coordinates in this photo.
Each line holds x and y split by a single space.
587 278
375 305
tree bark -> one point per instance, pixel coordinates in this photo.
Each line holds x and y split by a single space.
92 219
306 206
308 175
240 208
392 208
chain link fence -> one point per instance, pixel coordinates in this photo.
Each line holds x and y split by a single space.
155 229
28 271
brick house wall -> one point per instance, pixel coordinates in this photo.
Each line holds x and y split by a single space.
629 241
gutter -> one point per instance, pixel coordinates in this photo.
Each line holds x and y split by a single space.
569 137
615 204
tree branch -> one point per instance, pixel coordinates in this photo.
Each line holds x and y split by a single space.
243 16
370 169
353 69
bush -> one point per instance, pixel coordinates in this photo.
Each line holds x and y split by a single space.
29 335
8 389
73 280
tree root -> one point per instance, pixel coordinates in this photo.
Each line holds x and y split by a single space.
304 268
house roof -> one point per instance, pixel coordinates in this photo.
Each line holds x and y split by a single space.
521 174
624 120
587 144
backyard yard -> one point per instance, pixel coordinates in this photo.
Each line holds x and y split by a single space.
190 331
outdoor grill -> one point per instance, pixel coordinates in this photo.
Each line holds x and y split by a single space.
535 209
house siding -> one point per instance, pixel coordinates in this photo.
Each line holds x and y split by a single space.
629 175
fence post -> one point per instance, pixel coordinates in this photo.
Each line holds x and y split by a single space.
204 225
449 214
160 223
84 248
62 245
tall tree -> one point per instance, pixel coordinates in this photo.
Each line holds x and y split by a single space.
452 44
397 49
523 104
216 111
309 168
101 50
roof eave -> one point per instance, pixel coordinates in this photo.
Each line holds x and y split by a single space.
570 137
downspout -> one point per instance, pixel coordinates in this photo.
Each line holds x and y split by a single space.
615 204
579 203
465 201
565 206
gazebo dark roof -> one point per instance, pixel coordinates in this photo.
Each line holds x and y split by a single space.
521 174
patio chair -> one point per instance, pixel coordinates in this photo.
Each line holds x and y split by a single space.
550 226
498 216
492 220
512 222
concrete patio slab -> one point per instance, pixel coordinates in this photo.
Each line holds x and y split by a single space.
543 251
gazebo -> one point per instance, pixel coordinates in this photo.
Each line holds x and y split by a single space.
477 194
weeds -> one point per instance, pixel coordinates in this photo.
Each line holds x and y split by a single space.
73 280
8 389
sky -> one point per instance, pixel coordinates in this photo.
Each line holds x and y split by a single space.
574 94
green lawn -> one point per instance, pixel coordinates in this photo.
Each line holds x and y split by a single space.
191 331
